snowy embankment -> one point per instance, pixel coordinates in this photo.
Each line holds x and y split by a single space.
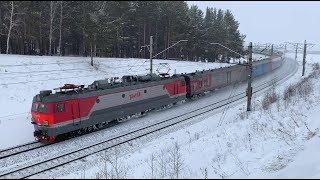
22 77
277 139
226 144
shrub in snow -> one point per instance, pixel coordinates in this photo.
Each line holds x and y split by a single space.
269 99
315 66
113 167
304 87
175 161
288 92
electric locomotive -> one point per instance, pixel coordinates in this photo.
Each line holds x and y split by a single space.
75 109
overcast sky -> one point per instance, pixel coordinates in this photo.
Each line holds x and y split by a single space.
273 21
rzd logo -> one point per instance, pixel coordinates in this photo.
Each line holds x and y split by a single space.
134 95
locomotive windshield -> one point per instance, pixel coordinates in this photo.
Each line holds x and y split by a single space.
38 107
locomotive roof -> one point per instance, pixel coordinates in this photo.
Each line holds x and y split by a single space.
104 87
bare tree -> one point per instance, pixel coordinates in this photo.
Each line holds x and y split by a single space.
52 13
10 26
152 165
218 170
83 175
91 54
60 27
204 172
162 162
176 161
113 168
14 21
1 24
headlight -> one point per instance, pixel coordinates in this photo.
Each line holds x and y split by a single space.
45 123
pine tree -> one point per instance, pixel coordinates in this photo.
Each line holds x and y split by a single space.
233 39
118 29
195 32
210 34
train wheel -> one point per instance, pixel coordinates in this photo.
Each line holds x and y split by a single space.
100 125
119 120
47 139
89 129
51 139
104 124
79 132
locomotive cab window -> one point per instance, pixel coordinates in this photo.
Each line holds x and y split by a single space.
42 108
34 107
60 107
39 107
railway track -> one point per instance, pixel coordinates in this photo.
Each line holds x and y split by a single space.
58 161
20 149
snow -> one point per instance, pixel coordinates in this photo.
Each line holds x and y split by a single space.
22 77
239 148
306 163
225 143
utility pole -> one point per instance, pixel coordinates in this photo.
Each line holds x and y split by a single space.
150 51
249 70
249 89
271 50
304 57
295 58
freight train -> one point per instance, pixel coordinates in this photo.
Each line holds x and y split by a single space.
74 109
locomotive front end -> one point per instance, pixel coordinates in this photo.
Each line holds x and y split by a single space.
42 117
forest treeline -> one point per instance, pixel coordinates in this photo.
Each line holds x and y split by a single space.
117 29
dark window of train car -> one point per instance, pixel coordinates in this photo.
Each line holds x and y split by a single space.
60 107
123 95
145 91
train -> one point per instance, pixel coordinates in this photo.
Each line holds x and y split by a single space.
75 109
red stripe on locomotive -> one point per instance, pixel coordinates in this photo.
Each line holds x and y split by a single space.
63 111
74 109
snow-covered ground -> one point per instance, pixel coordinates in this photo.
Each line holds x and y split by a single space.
22 77
306 163
224 143
257 144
